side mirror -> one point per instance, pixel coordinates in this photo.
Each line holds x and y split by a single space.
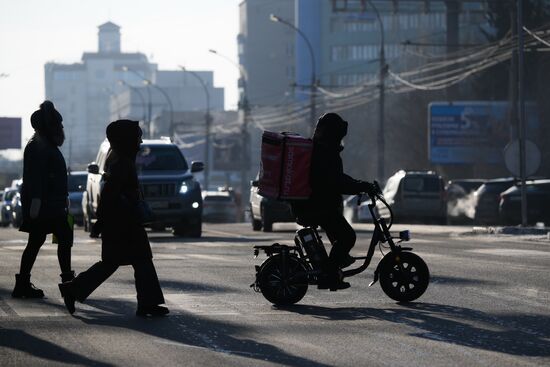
197 167
254 183
93 168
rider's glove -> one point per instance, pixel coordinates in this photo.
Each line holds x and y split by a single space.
369 188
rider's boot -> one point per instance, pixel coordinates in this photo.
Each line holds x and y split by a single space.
332 280
346 261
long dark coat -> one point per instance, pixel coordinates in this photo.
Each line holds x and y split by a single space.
44 178
124 240
327 177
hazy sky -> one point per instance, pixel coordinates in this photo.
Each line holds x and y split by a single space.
169 32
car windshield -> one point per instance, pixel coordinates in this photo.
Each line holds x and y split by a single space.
422 184
76 182
160 158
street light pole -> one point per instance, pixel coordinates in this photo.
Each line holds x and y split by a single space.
313 82
208 121
381 106
521 96
245 108
149 103
141 98
170 105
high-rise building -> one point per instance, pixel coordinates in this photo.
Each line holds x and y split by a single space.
99 89
266 50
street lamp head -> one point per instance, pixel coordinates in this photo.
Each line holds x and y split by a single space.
212 51
182 67
274 18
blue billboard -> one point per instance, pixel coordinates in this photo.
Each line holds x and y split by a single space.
471 132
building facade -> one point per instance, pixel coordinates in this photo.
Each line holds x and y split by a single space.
266 51
106 85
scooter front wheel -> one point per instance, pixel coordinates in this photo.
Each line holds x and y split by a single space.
283 284
404 276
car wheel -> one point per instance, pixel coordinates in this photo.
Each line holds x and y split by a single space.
158 228
179 230
192 230
267 224
87 223
256 224
195 229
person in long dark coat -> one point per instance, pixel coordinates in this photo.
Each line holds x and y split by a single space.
44 198
324 207
124 240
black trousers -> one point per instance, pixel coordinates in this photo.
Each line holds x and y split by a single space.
341 235
148 288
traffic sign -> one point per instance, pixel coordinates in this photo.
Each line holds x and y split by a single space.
532 158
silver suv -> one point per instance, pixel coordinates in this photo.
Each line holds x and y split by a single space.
417 196
167 184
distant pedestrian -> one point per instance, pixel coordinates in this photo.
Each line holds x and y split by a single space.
44 198
124 240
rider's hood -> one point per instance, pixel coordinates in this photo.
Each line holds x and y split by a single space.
330 130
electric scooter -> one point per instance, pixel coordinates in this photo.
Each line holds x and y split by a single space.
283 278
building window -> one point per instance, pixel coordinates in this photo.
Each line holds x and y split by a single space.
363 52
66 75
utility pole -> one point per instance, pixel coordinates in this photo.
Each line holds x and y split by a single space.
208 122
513 76
522 123
452 37
383 69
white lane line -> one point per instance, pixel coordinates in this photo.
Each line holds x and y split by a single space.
511 252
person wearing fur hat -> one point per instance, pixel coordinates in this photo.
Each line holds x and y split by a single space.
44 198
324 207
123 238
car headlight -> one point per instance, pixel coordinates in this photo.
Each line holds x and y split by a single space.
8 207
186 186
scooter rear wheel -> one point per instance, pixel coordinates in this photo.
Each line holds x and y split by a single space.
404 276
282 289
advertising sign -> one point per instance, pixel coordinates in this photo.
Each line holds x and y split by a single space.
10 133
472 132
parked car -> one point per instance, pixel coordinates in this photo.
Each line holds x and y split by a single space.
461 201
16 211
264 211
417 196
76 182
354 213
219 207
538 203
6 206
487 198
167 184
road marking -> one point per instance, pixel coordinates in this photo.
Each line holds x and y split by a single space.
511 252
214 258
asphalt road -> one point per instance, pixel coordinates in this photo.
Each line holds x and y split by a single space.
488 305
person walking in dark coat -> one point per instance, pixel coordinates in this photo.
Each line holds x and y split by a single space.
124 240
324 207
44 198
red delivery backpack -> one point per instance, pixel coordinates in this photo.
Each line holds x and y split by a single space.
285 166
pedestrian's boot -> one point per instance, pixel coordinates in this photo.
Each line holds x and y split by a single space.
24 288
156 310
67 276
68 295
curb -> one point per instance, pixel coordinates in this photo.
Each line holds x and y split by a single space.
518 231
